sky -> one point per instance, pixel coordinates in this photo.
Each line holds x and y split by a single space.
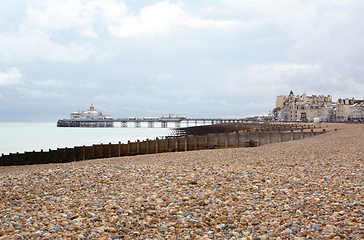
215 58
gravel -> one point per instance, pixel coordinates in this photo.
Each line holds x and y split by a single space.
305 189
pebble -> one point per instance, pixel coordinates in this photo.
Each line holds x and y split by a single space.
304 189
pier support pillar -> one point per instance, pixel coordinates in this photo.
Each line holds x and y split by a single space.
164 124
150 124
137 124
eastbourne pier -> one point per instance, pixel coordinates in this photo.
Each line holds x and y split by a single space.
151 122
95 118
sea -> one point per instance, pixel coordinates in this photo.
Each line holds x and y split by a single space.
28 136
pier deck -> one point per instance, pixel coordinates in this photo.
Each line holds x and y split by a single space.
151 122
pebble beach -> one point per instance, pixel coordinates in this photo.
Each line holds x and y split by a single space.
304 189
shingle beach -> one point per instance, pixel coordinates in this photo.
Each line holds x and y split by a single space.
305 189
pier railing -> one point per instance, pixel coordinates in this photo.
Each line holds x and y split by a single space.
249 138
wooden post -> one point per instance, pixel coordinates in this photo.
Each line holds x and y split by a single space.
259 137
226 140
147 146
237 138
177 144
216 139
206 141
128 147
33 157
109 149
280 136
268 133
186 143
138 147
312 134
119 149
167 144
291 134
41 156
84 152
301 133
102 150
156 145
195 141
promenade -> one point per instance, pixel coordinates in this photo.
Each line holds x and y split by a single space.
305 189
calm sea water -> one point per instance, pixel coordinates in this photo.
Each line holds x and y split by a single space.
29 136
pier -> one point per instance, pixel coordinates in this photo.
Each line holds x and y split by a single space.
151 122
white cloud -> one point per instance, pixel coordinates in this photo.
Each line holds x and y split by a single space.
39 94
10 77
164 77
201 23
88 32
153 20
37 45
58 15
89 85
161 19
48 83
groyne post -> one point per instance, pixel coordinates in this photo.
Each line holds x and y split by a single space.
226 140
195 141
156 145
186 143
119 149
216 139
128 148
83 152
176 144
102 150
138 147
237 138
147 146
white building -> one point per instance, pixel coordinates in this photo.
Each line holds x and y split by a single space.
357 111
303 107
90 114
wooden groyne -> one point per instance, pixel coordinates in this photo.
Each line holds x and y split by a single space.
246 138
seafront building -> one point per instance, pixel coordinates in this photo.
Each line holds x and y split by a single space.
317 108
349 109
303 108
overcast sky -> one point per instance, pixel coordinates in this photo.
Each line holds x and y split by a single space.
206 58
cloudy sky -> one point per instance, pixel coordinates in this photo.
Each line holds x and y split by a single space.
206 58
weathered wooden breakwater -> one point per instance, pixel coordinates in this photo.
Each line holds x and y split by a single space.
246 138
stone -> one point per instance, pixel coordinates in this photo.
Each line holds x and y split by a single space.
316 227
164 228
